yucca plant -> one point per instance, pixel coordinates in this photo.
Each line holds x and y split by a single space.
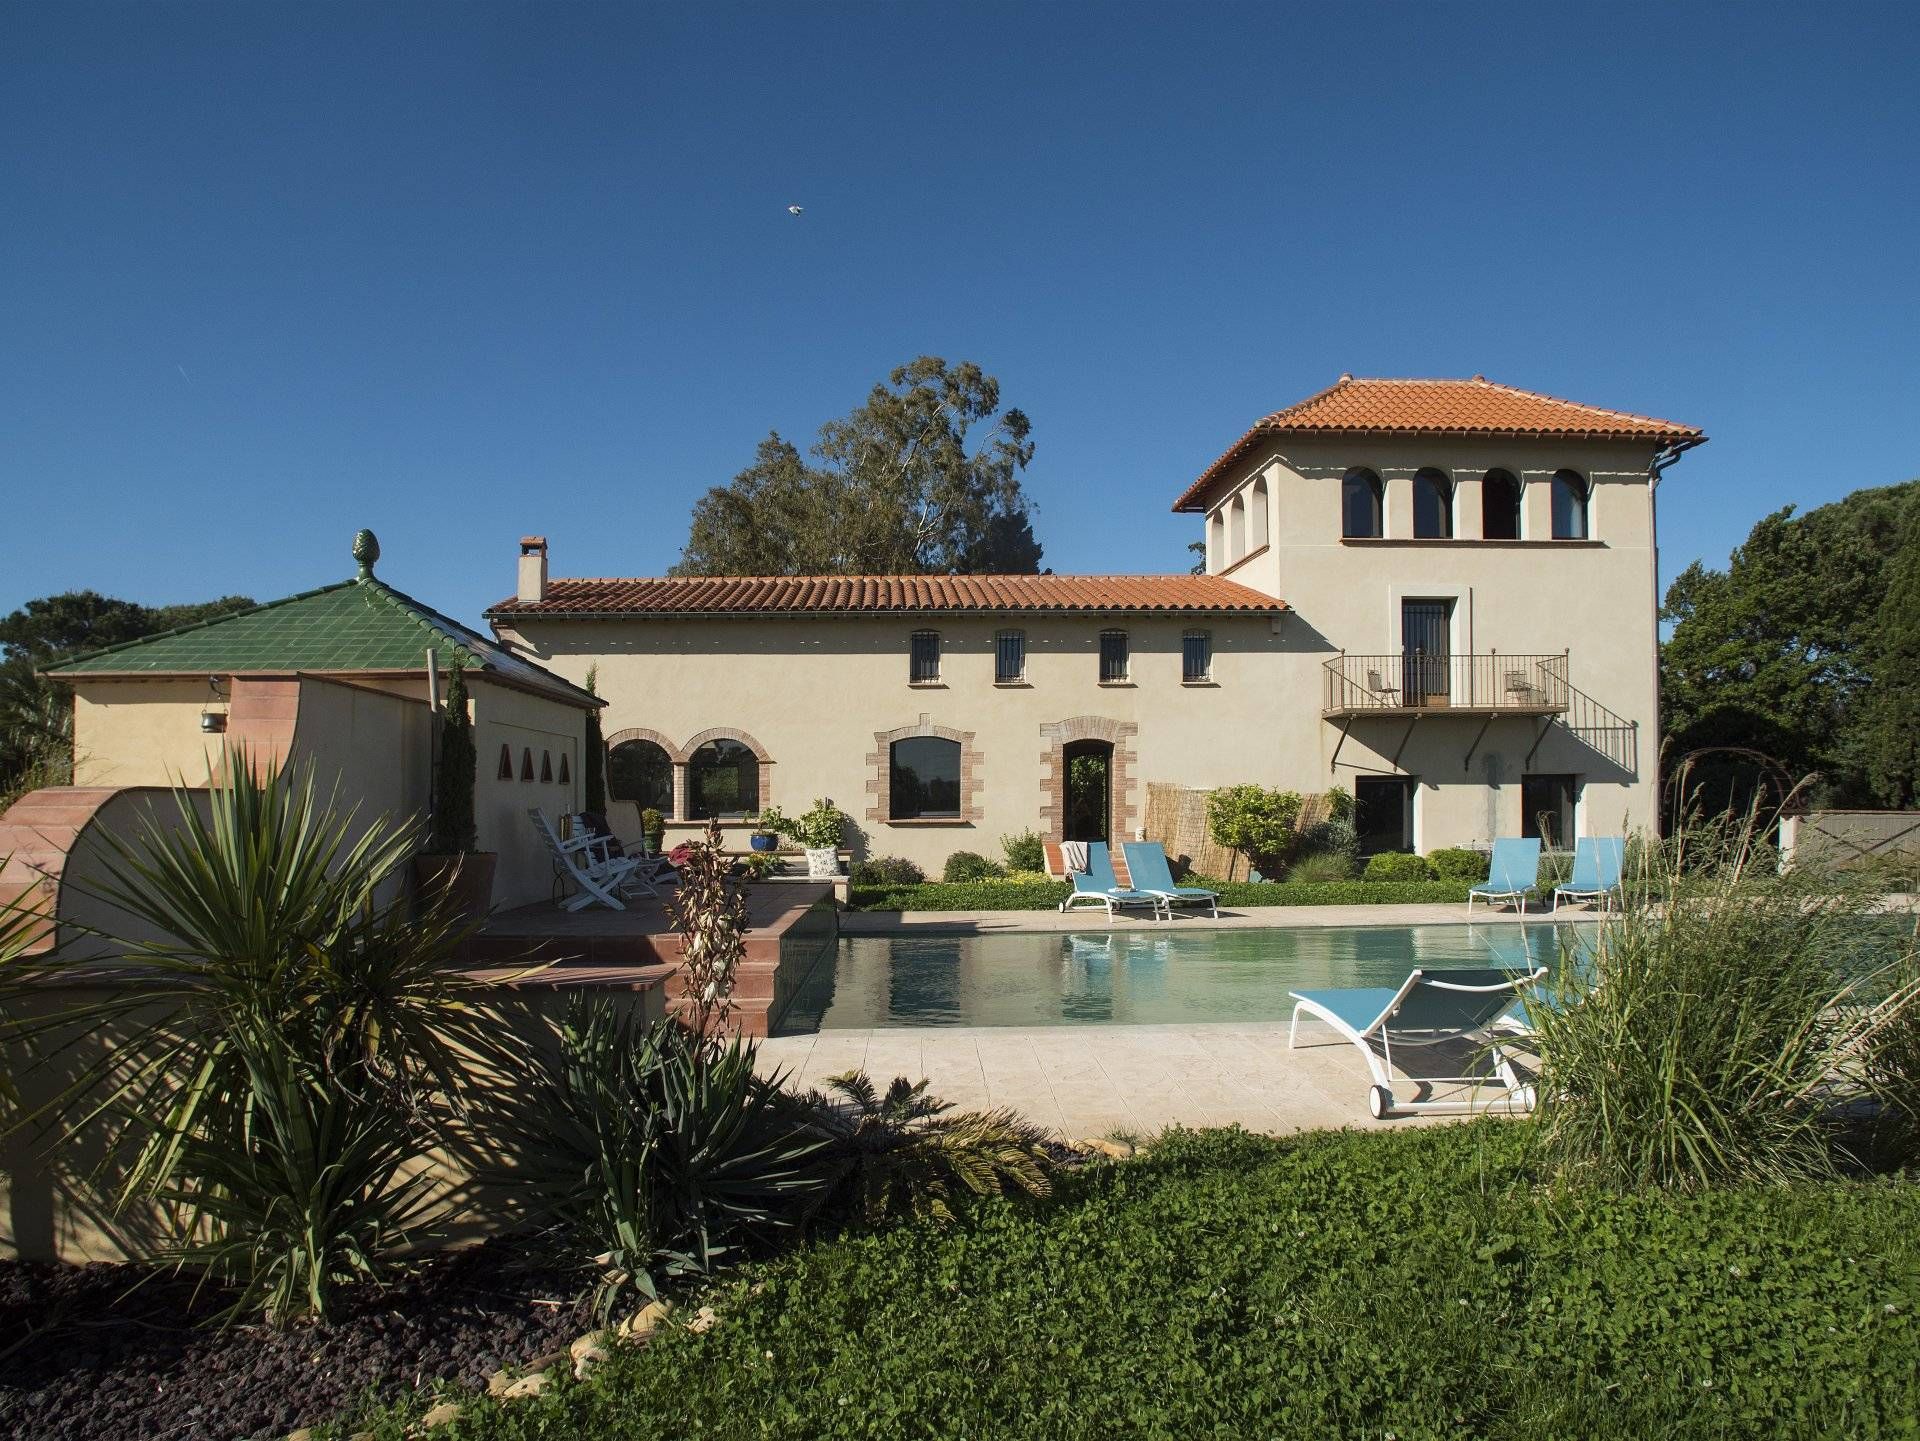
655 1151
1707 1035
900 1153
290 1036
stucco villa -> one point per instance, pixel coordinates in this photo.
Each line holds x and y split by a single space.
1437 594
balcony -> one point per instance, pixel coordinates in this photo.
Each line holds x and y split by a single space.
1416 684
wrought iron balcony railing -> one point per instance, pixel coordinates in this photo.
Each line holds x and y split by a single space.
1415 683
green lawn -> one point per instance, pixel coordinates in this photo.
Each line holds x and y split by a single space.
1404 1283
1033 896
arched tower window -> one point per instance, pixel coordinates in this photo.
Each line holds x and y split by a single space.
1570 495
1432 506
1360 496
1499 506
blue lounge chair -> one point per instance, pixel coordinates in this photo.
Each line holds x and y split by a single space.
1597 864
1148 868
1512 874
1428 1008
1097 886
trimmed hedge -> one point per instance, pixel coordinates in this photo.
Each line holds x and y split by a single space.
1397 866
1028 896
968 866
1422 1284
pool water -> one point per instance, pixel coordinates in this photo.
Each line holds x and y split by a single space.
1134 977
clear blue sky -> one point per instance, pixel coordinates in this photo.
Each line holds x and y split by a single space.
271 272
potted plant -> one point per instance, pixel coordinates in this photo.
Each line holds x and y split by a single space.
452 865
764 839
818 832
653 826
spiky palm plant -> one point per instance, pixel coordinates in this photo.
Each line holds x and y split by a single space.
902 1154
289 1035
655 1151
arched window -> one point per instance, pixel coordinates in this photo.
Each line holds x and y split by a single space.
642 772
1432 506
1217 541
1360 505
1500 506
1236 528
723 779
924 783
1257 515
1569 506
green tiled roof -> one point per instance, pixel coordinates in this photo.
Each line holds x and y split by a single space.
357 625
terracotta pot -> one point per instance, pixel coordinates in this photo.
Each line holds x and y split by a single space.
468 879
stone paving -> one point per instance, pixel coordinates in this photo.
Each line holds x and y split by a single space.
1082 1081
876 923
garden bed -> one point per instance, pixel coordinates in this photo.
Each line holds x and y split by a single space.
1421 1283
87 1356
1034 896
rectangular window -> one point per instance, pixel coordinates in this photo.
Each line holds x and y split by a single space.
1383 813
925 666
1546 809
1196 657
1010 657
1113 657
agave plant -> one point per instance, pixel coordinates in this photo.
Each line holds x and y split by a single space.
291 1037
902 1154
655 1151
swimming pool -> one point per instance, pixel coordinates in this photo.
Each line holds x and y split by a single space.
1132 977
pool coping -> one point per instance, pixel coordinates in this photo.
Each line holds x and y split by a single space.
975 923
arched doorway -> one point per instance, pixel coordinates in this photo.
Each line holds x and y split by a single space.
1089 790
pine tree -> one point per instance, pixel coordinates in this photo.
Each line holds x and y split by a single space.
1891 736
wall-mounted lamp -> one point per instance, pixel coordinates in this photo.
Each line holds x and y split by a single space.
214 722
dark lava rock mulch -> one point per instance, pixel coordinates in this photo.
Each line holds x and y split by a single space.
83 1356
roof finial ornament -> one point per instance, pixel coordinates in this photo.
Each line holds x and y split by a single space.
366 550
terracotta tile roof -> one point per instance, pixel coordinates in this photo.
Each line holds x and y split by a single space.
871 594
1477 407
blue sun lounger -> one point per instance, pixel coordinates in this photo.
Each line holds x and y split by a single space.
1597 865
1512 874
1148 868
1098 886
1427 1009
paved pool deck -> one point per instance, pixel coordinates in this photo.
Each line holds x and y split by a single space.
1086 1081
883 923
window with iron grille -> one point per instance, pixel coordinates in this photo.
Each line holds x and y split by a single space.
1196 656
924 668
1113 656
1010 657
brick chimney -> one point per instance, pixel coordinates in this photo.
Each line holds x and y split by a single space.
533 568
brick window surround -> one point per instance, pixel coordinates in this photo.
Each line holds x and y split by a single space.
680 755
1057 736
880 777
